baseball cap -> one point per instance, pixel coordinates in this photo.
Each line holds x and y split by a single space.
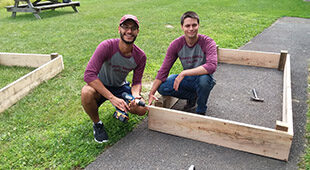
128 16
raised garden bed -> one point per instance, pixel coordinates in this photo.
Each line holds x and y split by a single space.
48 66
228 121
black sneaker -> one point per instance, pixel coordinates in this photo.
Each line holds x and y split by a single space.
190 103
100 133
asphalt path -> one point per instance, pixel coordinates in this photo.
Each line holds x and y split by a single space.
147 149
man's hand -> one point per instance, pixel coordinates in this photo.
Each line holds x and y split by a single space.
152 97
136 109
177 81
153 90
119 103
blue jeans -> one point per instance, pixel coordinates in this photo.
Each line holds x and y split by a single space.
190 88
116 91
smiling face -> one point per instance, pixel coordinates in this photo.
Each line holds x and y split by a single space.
190 28
128 31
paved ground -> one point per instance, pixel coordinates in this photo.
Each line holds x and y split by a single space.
146 149
230 98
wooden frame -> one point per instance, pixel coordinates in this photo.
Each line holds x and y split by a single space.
274 143
48 67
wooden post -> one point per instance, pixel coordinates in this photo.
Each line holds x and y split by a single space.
54 55
166 101
15 5
282 60
283 126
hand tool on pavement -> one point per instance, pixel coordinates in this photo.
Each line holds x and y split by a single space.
255 98
121 115
192 167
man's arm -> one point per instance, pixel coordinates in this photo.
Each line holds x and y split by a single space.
200 70
134 108
136 90
117 102
162 74
137 77
154 88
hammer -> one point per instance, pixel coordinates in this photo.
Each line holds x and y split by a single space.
255 98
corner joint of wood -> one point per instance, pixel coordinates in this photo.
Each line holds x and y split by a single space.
166 101
159 102
282 126
284 51
54 55
282 60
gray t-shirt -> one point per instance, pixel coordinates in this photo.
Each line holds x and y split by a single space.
112 67
203 53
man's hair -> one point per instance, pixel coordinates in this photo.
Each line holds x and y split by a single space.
189 14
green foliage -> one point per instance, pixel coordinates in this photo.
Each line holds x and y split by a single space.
48 128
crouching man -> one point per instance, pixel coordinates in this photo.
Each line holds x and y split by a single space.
106 74
198 55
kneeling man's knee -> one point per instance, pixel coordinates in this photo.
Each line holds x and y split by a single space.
161 90
87 91
206 81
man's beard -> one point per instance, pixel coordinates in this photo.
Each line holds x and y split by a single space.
127 42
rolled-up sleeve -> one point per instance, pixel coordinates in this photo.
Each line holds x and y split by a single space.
170 58
211 56
95 63
138 72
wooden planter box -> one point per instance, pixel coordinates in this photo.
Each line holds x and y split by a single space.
48 66
269 142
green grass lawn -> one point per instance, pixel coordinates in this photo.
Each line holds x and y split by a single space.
48 128
11 73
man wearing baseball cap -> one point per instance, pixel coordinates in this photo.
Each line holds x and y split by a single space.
106 74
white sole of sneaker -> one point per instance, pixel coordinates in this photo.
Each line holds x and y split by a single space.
104 141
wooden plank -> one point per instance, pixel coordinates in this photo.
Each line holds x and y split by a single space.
250 58
13 92
58 5
254 139
22 10
282 60
288 110
19 59
287 113
284 101
26 5
287 120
